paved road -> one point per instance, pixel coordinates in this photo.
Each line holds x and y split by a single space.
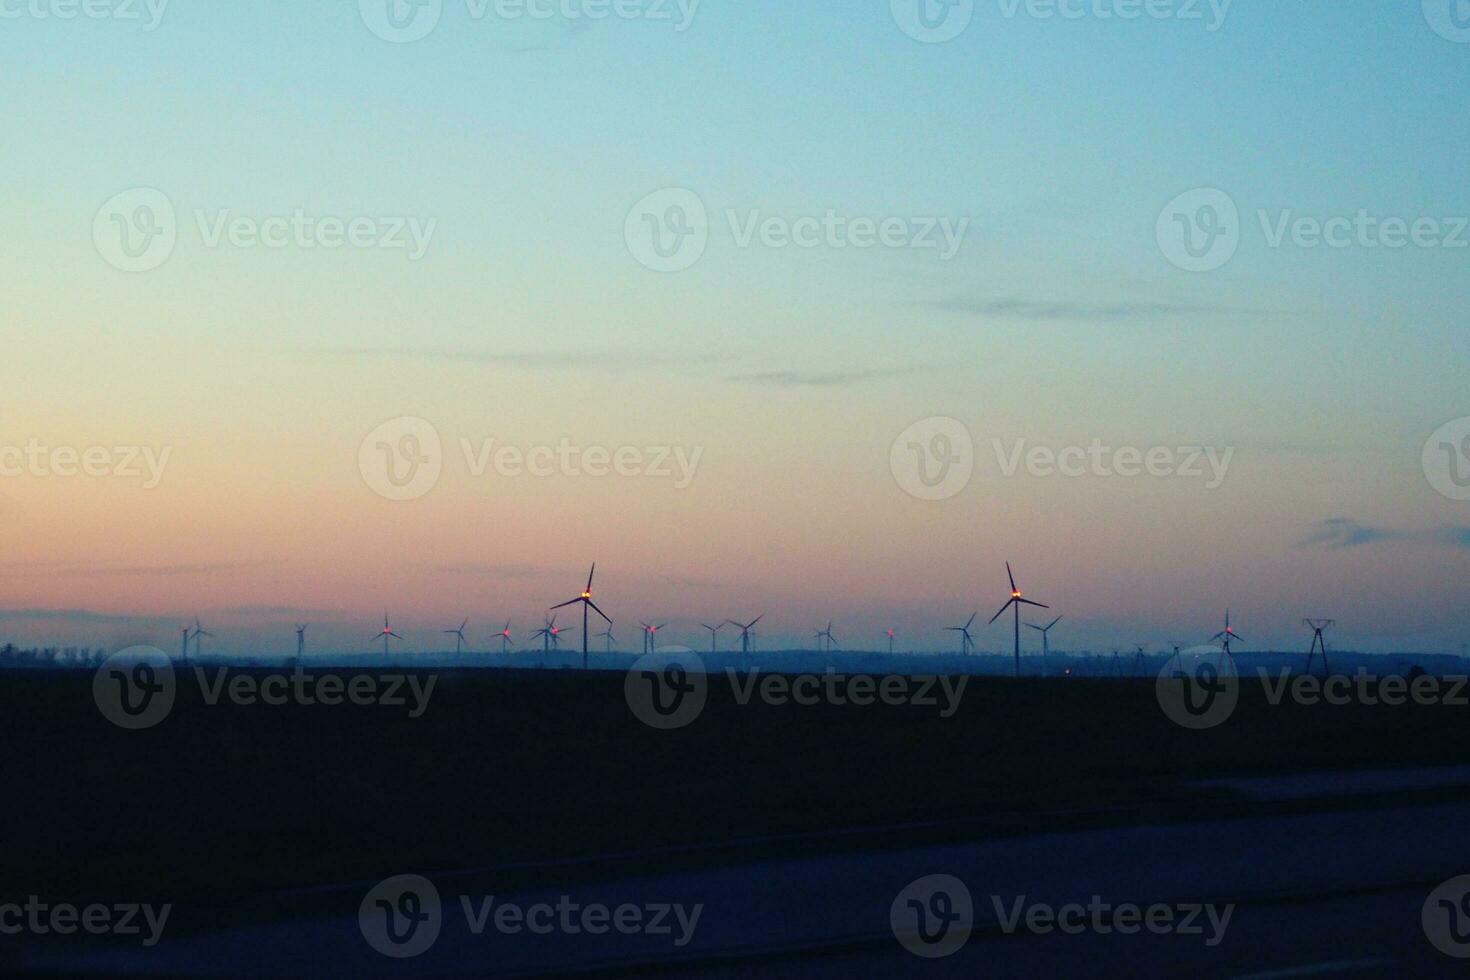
1322 894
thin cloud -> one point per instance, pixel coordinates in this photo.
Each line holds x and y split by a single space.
1346 532
820 379
537 360
70 568
85 616
1016 308
486 570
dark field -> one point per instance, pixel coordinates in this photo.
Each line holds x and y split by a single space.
221 803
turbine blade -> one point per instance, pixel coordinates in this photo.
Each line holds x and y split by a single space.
1002 610
1011 576
1053 622
600 612
1039 605
971 621
569 602
589 576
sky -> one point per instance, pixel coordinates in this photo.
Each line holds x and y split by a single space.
281 251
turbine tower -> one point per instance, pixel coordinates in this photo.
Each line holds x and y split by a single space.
545 634
650 636
1016 601
745 629
185 632
714 633
1140 662
967 642
458 637
1225 637
889 634
387 634
586 600
1318 627
1045 632
300 642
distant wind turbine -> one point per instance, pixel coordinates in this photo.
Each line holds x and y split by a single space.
458 636
301 641
586 600
199 631
825 640
745 633
1225 637
650 636
1140 662
185 632
608 634
1016 601
967 642
889 634
714 634
504 637
387 634
1045 632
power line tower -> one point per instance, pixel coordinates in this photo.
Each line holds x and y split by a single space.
1318 627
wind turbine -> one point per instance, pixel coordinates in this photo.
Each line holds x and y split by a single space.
504 637
714 633
826 635
608 633
967 642
745 629
545 634
300 641
387 634
586 600
1318 627
458 636
1140 662
889 634
199 631
1016 601
1226 636
185 631
650 636
1045 632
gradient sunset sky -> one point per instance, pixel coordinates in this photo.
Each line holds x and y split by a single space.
530 319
